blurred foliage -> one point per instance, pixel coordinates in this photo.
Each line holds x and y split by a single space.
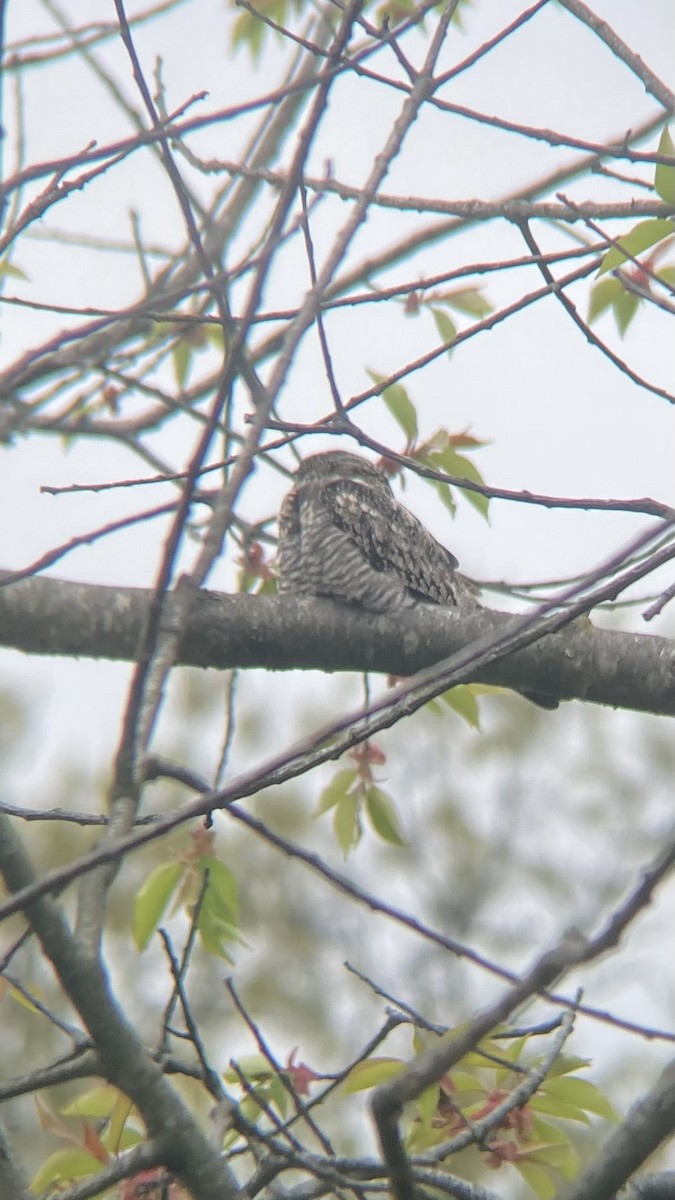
498 839
265 16
507 842
531 1136
633 277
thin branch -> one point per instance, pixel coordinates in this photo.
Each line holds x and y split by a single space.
13 1182
132 1162
570 308
301 1110
181 1145
389 1098
320 325
645 504
622 51
178 969
477 1132
646 1127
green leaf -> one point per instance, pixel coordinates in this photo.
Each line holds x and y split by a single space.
215 933
384 817
579 1092
554 1107
664 177
427 1105
400 406
446 328
565 1064
538 1178
278 1095
641 237
462 700
347 823
339 786
513 1049
446 496
214 335
371 1072
556 1149
548 1134
9 271
565 1159
457 15
468 1086
422 1040
394 11
181 355
129 1137
117 1131
152 899
64 1165
462 468
468 300
97 1102
249 1107
480 502
604 295
254 1067
610 293
476 1058
249 31
222 891
625 308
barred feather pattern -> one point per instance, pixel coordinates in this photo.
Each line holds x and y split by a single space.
343 535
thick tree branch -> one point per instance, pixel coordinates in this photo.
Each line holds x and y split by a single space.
646 1127
12 1180
180 1142
56 617
389 1098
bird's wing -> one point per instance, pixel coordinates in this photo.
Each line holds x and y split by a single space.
392 540
289 556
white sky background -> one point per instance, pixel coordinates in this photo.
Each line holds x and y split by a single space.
560 417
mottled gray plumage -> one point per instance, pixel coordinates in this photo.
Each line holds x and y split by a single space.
343 535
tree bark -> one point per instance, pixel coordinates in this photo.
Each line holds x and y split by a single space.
623 670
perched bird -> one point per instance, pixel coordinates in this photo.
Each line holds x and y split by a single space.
343 535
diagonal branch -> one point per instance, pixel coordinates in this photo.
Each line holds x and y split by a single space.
647 1125
389 1099
180 1142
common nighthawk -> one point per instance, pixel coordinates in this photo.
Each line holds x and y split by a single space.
343 535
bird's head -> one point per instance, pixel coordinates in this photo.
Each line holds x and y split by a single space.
339 465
